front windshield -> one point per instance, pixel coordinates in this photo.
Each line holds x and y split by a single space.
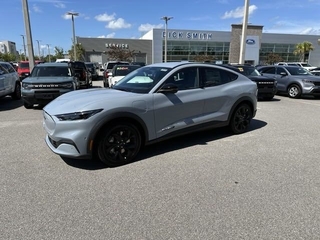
249 71
51 71
298 71
23 65
142 80
306 65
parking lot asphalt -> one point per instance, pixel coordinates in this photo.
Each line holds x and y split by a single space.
263 184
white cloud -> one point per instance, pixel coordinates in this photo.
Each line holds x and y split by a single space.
238 12
147 27
110 35
36 8
105 17
59 5
118 24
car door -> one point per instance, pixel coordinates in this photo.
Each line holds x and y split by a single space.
217 93
282 77
176 111
5 79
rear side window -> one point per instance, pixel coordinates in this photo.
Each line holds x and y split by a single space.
3 70
269 70
210 77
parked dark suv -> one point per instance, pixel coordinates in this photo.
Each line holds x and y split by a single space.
267 86
48 81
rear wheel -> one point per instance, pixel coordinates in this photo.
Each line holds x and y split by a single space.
241 118
294 91
16 95
119 144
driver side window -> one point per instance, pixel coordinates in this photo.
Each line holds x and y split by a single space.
185 79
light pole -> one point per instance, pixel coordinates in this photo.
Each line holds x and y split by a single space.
24 47
48 47
73 33
166 19
38 41
244 32
28 33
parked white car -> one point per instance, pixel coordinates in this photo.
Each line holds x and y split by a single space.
9 81
299 64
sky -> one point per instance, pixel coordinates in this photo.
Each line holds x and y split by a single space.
132 18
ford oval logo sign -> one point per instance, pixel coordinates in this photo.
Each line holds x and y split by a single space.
250 41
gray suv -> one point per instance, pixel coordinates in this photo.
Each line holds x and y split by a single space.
48 81
9 81
293 80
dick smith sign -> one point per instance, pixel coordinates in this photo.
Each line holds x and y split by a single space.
188 35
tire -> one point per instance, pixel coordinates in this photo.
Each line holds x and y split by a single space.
27 105
269 98
294 91
241 119
16 95
118 144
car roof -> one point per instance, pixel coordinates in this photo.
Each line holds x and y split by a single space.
54 64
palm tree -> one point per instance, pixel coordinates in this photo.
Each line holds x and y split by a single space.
303 49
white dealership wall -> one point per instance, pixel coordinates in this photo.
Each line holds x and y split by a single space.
252 50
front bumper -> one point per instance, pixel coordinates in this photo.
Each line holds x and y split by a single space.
41 96
67 138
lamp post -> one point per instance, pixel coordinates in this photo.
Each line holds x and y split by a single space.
28 33
48 47
244 32
38 41
166 19
73 33
24 47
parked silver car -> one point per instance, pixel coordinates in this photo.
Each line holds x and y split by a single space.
150 104
293 80
9 81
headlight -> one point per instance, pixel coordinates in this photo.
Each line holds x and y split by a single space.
67 85
77 115
27 85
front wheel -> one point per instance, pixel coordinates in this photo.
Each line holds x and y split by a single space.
241 118
27 105
294 91
119 144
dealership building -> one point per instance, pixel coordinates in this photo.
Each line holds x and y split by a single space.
219 46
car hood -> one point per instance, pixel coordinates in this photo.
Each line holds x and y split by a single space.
87 99
38 80
261 78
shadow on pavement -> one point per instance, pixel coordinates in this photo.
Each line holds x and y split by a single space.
189 140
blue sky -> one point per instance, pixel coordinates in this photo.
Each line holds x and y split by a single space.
132 18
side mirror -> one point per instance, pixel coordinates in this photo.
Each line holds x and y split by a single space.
168 88
283 74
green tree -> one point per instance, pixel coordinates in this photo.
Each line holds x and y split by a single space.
273 58
80 51
203 58
120 54
58 52
8 57
303 49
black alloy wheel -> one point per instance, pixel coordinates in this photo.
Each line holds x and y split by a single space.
119 144
241 119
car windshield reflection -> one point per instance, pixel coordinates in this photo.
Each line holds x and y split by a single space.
142 80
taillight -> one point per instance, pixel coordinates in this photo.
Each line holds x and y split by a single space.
84 74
